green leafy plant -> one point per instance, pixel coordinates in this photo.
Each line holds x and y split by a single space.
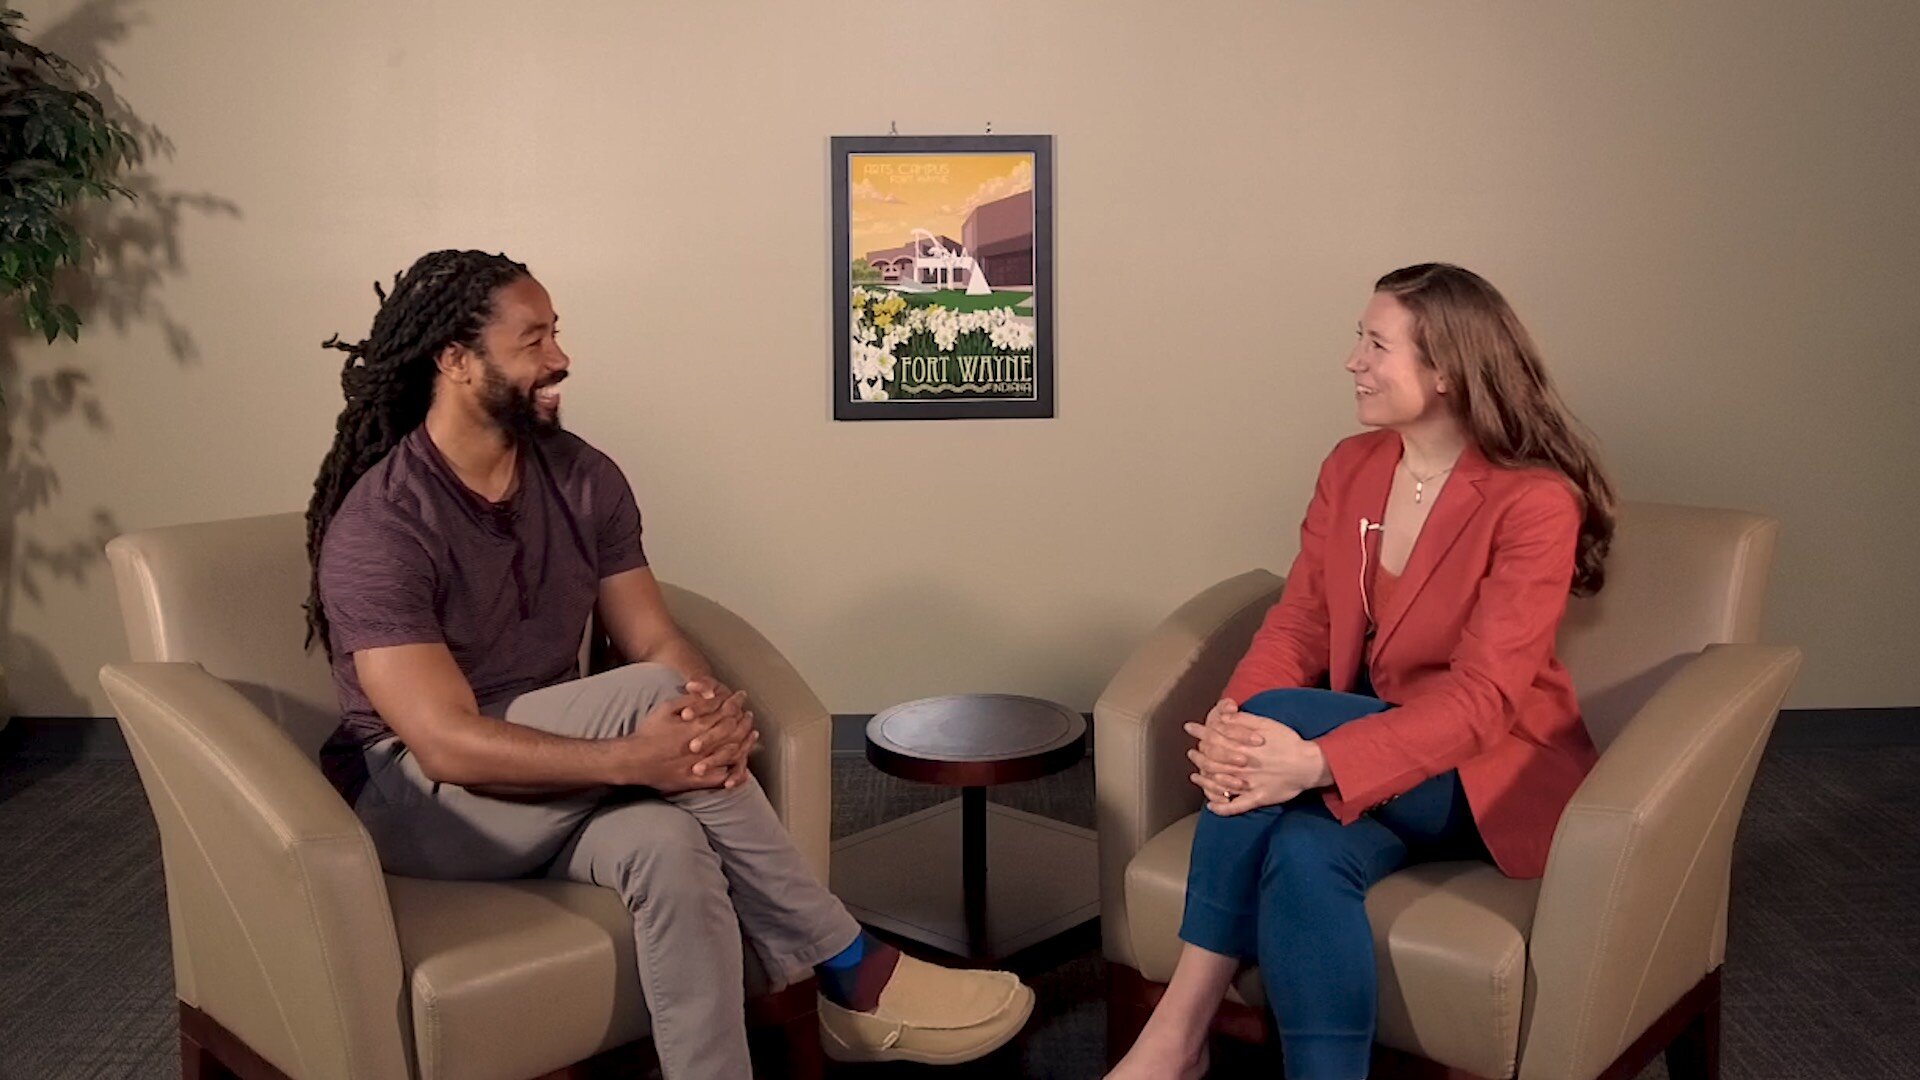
59 150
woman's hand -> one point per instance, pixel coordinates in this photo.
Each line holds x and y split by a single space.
1245 761
1213 755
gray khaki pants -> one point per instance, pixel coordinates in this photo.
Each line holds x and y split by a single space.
699 870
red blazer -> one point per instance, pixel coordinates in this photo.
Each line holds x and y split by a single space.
1464 650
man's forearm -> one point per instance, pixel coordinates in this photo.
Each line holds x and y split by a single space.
476 750
679 654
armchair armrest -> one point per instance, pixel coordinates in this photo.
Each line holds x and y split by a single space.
794 759
281 926
1632 911
1140 765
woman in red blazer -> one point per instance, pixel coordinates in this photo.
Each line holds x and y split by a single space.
1435 564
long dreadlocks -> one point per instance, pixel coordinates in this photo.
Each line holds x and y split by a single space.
444 298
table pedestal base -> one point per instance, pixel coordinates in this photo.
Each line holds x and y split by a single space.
907 880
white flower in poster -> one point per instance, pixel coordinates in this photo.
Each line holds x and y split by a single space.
1008 332
872 367
944 325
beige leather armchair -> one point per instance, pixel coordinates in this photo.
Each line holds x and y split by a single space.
1595 969
294 955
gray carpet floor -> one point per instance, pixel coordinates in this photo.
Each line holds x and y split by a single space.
1823 980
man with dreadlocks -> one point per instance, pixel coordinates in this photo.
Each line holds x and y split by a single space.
459 541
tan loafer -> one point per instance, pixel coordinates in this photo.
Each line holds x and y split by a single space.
931 1015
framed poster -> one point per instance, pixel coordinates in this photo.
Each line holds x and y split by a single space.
943 277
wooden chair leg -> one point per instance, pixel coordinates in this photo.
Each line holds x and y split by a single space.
198 1063
1694 1054
1688 1034
798 1054
783 1031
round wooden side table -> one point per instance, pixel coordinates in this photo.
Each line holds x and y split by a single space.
1044 877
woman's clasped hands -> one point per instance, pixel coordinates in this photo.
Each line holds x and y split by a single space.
1244 761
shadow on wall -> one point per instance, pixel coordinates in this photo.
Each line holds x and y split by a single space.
136 250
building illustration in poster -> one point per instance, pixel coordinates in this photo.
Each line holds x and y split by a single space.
943 275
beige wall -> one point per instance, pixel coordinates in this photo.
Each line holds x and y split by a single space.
1706 212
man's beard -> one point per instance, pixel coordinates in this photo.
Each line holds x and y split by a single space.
513 409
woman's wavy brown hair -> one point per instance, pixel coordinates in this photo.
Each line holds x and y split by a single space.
1498 388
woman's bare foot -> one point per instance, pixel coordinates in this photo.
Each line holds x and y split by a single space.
1172 1045
1154 1057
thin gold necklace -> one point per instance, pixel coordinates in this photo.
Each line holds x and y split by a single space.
1420 482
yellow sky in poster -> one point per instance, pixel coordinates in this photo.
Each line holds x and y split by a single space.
893 194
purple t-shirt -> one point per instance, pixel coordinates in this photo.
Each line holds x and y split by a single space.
415 556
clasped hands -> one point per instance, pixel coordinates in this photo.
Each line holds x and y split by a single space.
1243 761
699 739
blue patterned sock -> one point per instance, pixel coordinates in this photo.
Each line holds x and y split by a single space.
854 977
846 957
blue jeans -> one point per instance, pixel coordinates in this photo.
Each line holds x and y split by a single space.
1286 886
